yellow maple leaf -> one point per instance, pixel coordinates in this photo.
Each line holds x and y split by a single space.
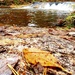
34 56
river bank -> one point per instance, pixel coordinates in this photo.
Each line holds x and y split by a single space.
59 42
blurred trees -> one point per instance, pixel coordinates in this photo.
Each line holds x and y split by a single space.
9 2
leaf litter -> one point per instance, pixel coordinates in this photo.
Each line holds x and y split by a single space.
41 50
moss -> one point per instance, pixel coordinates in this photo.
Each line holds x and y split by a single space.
70 20
16 2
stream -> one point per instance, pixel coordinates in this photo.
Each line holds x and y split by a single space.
34 15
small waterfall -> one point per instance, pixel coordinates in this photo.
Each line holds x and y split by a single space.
65 6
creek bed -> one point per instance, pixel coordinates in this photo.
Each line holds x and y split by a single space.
27 17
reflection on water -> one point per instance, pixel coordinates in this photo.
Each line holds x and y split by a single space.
29 18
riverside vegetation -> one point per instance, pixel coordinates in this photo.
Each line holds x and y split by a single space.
70 20
18 2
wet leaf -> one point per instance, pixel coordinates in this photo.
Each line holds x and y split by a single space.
34 56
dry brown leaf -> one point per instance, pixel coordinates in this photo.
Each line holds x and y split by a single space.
29 35
7 41
34 56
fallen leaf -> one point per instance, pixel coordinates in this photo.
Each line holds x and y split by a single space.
34 56
8 41
29 35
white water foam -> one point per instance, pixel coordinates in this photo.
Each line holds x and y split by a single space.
66 6
51 6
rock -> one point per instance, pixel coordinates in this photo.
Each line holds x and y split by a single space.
71 33
7 59
60 22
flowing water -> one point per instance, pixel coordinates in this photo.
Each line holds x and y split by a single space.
66 6
32 15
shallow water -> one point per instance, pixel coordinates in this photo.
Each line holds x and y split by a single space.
24 17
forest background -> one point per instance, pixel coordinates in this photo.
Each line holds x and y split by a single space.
9 2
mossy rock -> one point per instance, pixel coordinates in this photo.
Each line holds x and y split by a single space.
70 20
